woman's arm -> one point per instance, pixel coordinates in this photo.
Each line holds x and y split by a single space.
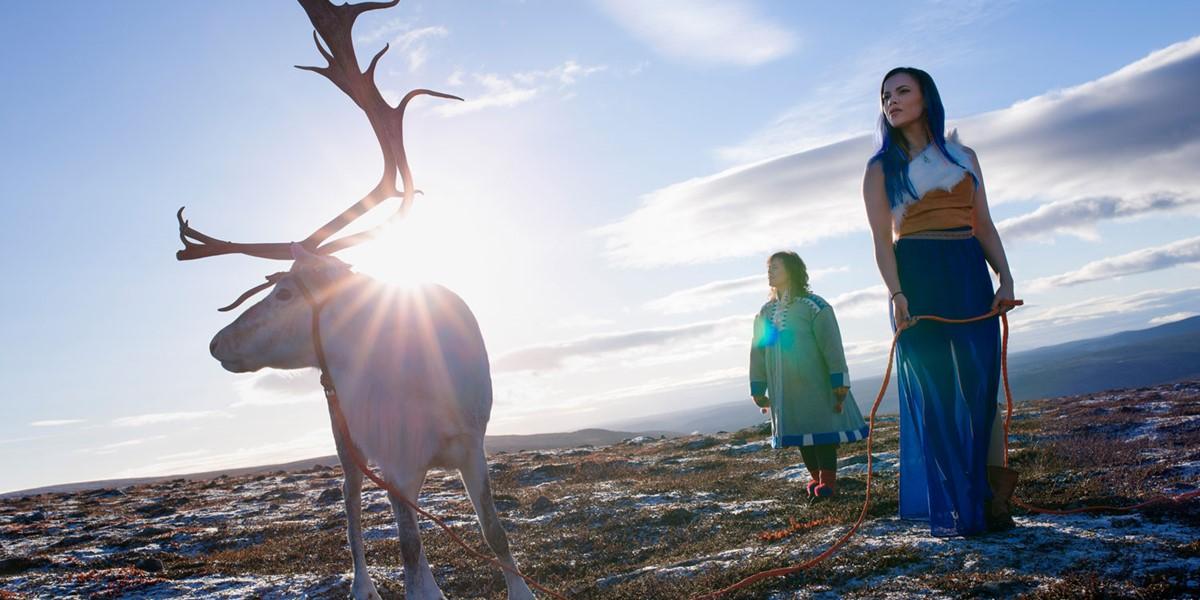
829 344
989 239
879 215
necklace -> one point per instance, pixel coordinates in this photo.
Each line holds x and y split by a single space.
924 154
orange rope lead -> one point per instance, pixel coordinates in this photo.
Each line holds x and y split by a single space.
1160 499
887 374
361 463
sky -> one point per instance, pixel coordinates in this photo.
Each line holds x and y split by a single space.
604 199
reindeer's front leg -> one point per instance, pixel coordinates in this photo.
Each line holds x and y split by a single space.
363 588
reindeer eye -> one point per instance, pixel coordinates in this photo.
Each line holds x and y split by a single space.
283 295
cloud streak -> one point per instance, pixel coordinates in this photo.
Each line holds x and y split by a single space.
1055 323
661 344
171 417
409 41
1056 147
703 32
519 88
719 293
55 422
1139 261
1072 216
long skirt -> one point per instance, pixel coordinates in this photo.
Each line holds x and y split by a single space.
948 377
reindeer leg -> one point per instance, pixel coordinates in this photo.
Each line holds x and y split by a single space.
418 577
475 478
363 588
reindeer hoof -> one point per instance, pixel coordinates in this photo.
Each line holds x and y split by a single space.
364 591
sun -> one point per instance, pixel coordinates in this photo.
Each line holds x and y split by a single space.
433 243
405 253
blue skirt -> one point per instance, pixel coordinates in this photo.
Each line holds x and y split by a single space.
948 377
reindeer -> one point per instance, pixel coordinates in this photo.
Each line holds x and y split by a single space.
407 367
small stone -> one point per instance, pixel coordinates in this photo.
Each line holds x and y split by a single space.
329 496
36 516
20 564
701 444
505 503
149 565
541 505
676 517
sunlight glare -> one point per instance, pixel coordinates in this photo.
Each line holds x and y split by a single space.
407 253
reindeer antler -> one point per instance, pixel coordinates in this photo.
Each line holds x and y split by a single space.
333 24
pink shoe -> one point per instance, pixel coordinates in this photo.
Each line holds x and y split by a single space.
828 486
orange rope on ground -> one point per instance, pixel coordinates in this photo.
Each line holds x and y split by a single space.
887 374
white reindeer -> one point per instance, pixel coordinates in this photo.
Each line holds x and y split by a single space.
409 366
412 376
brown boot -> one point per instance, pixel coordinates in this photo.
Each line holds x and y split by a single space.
828 487
998 511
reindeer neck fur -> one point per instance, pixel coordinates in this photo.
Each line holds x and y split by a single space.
409 365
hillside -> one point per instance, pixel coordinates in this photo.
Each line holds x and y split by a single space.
656 518
1165 353
493 443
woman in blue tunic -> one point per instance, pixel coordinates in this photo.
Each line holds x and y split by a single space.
934 239
798 372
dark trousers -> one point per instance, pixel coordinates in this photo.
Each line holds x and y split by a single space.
820 458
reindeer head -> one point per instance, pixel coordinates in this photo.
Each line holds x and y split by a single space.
276 331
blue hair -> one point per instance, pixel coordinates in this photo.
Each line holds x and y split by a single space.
891 154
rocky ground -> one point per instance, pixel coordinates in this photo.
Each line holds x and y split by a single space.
657 518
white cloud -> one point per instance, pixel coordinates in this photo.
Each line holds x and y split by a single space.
1173 317
706 32
1097 315
709 295
114 447
410 42
314 443
664 385
719 293
840 100
648 346
865 302
1138 261
273 387
385 30
1054 148
1072 216
171 417
55 422
519 88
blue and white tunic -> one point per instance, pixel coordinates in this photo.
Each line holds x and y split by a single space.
797 360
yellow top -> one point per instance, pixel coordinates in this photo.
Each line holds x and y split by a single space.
941 209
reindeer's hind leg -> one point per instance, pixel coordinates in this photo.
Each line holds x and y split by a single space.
475 477
418 577
363 588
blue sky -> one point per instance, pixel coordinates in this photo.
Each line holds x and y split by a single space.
604 200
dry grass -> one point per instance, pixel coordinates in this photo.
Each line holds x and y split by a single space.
624 508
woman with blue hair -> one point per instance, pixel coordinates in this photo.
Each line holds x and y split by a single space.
934 239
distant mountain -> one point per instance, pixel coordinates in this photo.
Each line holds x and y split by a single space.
493 443
1130 359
